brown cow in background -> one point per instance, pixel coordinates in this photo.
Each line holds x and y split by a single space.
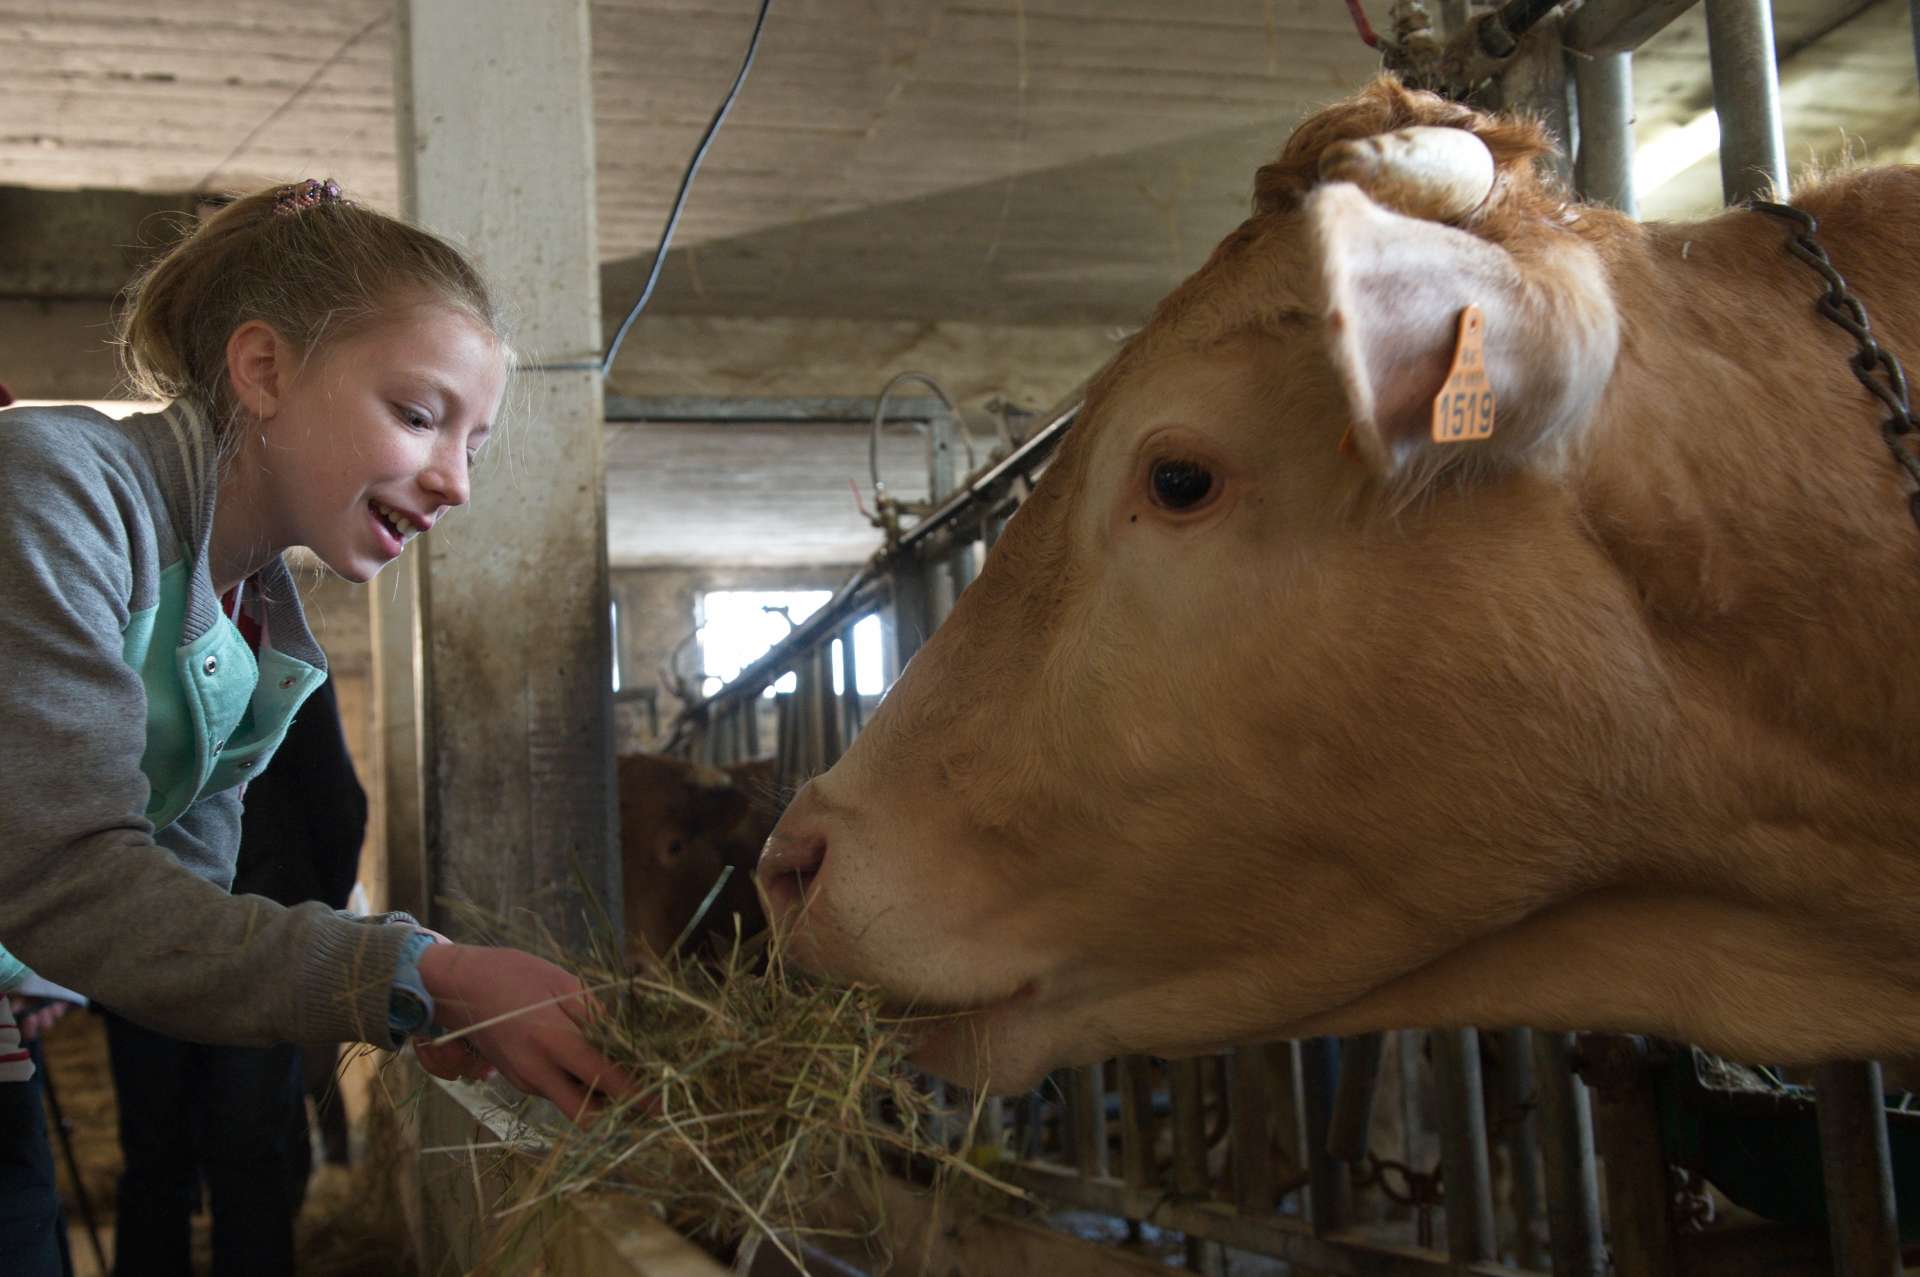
681 825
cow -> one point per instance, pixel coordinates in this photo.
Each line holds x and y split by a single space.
1272 715
682 825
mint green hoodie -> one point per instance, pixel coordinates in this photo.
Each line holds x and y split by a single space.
131 714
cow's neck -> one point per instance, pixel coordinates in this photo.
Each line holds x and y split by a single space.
1740 486
1751 983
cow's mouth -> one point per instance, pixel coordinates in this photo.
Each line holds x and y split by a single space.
910 1011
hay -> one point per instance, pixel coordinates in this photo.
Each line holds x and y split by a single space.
761 1096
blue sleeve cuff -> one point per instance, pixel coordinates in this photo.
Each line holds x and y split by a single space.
409 1005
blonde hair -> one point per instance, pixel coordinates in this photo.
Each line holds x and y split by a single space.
314 266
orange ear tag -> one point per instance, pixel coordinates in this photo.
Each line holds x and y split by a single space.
1463 409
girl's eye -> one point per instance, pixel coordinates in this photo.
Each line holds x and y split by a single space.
1178 484
414 418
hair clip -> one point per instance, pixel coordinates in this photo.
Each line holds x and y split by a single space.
302 196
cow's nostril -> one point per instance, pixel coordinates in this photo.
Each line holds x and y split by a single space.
787 856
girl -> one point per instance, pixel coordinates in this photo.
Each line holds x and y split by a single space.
330 373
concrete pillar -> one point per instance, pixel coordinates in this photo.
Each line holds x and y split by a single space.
513 653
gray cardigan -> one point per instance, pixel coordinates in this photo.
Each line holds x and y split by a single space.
131 712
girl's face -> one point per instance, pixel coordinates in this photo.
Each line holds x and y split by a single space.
372 440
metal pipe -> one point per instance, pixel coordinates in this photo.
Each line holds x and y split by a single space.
850 716
1603 167
1463 1147
1353 1098
1913 24
830 746
870 587
1330 1201
1087 1100
1522 1140
1138 1125
1413 1126
1250 1118
1573 1178
1746 95
1861 1219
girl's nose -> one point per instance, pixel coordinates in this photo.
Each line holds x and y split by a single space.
449 479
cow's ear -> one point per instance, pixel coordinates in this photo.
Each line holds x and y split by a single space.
1394 291
718 807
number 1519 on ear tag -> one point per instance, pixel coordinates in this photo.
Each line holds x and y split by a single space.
1463 409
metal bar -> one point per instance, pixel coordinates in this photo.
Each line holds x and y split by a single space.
850 718
993 1124
912 615
1250 1114
1573 1184
1413 1126
1330 1204
878 583
753 725
1463 1146
1018 463
1281 1236
786 742
761 410
1188 1100
1137 1121
1603 165
940 593
1353 1098
1862 1221
1913 25
1535 81
1522 1129
1620 26
1086 1092
1746 96
830 746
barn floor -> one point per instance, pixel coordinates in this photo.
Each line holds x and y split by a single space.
333 1237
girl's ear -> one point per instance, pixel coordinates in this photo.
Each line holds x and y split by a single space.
258 365
1394 290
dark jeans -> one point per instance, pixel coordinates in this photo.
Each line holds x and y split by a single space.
235 1116
33 1229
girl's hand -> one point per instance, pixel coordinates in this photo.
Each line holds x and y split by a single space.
457 1060
532 1012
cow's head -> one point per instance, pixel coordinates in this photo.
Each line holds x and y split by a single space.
681 826
1260 700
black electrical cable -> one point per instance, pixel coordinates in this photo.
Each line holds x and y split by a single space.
686 182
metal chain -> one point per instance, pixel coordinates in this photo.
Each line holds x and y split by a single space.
1875 366
1421 1192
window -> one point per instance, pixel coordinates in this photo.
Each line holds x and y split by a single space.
736 627
868 675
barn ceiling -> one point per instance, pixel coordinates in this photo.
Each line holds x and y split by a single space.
999 161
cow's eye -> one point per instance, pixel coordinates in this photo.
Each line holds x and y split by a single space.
675 847
1179 485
